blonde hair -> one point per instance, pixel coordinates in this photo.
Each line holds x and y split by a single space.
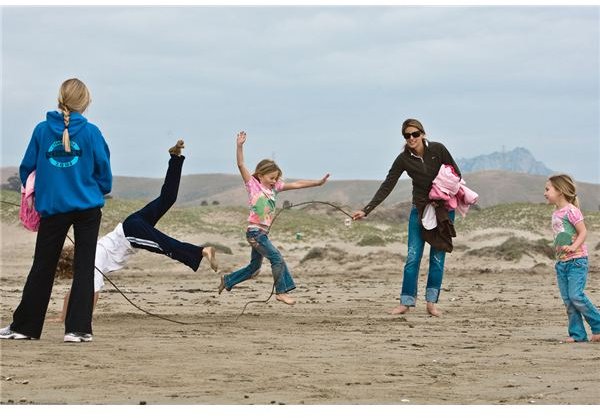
267 166
73 96
565 185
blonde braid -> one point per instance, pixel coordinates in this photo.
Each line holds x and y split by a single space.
65 136
66 140
73 96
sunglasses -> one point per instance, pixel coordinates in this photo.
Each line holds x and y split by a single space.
414 134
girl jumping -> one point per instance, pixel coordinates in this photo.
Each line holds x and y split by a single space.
263 187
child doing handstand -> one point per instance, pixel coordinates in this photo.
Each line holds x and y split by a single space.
138 231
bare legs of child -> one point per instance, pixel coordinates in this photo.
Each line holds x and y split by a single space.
63 313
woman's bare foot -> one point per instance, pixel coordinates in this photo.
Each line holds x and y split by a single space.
399 310
176 149
209 253
595 338
282 297
222 284
433 310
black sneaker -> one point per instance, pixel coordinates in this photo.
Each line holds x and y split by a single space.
9 334
77 337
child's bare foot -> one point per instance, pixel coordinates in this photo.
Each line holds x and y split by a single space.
222 284
399 310
176 149
569 340
282 297
209 253
595 338
431 308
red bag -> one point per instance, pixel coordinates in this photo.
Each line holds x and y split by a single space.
30 218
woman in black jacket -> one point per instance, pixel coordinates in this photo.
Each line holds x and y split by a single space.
421 159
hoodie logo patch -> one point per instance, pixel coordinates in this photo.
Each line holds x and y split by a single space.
58 157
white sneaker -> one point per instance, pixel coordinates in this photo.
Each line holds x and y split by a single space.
77 337
9 334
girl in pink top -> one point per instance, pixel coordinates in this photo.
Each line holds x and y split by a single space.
263 187
571 257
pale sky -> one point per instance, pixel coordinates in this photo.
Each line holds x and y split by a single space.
320 89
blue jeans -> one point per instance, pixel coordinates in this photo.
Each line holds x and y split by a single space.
416 245
262 248
572 276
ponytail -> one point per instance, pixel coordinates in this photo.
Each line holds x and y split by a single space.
575 201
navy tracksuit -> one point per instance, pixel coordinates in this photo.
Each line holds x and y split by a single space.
139 226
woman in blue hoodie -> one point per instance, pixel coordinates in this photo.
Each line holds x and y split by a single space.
72 164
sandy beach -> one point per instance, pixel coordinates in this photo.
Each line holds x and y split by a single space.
498 341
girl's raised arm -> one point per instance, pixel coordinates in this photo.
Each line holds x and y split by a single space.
301 184
241 138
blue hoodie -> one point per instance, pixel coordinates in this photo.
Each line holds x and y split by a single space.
66 182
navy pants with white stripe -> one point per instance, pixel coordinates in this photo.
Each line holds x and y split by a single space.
139 227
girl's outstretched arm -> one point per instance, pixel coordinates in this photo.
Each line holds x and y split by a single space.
302 184
241 138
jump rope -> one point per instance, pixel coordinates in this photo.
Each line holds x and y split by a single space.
285 207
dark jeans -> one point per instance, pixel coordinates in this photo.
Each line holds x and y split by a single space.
262 248
28 318
139 227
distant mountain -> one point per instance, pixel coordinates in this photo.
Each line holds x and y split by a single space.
519 160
